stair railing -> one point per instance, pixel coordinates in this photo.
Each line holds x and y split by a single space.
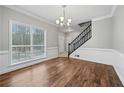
83 37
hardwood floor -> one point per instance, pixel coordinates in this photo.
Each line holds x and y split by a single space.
60 72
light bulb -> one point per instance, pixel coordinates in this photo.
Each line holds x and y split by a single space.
61 24
57 22
68 24
61 18
69 20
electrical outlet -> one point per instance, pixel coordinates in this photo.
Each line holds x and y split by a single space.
77 55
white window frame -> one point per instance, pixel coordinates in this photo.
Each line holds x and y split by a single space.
11 22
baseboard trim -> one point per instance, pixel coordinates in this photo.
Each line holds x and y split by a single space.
116 58
6 70
52 52
119 75
104 56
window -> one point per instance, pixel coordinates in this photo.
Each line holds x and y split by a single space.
27 42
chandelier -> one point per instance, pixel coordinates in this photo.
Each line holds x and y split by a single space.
62 21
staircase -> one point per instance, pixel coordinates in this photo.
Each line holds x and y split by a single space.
82 38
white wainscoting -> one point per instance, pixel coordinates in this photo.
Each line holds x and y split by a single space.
3 59
119 65
52 52
104 56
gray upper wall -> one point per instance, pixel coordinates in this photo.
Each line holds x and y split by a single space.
118 29
1 28
101 35
7 14
107 33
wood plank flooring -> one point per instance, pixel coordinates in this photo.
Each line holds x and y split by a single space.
61 72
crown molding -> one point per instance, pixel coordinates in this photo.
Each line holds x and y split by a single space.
106 16
14 7
113 10
102 18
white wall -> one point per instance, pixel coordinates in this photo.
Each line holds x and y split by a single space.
7 14
1 28
101 35
103 56
118 29
108 34
52 52
61 41
118 38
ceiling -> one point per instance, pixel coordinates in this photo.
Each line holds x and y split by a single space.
78 13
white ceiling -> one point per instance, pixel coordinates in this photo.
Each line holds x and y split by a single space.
78 13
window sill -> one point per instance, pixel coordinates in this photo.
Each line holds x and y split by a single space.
26 61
